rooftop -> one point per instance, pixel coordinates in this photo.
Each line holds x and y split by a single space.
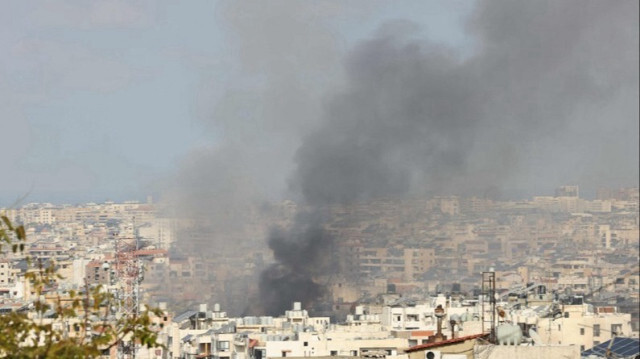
445 342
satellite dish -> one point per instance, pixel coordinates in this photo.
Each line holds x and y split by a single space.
535 337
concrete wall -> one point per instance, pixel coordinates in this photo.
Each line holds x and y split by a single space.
318 346
578 328
461 348
525 352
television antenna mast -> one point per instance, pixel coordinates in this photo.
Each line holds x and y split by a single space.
128 276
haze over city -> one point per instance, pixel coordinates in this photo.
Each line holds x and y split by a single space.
118 100
365 179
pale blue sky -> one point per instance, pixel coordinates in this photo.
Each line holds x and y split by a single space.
100 99
118 99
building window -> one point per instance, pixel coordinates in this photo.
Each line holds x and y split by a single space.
596 330
222 345
581 331
334 353
305 344
616 329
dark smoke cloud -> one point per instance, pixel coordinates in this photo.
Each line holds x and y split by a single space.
418 117
255 103
408 109
548 95
302 254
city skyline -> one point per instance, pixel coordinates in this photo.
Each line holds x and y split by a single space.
241 179
561 265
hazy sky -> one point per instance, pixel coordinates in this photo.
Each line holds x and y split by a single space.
102 99
120 99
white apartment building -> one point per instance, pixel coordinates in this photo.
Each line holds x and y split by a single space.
7 274
583 326
421 317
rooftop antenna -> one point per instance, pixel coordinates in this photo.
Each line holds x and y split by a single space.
129 277
489 292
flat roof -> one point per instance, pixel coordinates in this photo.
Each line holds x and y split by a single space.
445 342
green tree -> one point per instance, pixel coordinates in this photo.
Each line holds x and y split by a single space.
78 325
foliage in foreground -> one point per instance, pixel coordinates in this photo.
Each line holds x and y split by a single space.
78 325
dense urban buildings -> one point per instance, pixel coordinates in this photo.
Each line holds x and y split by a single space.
564 268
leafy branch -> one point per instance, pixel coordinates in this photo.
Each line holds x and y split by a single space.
81 324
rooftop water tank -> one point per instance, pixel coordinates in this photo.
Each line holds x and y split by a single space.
508 334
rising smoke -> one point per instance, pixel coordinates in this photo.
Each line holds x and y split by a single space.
418 117
302 253
535 103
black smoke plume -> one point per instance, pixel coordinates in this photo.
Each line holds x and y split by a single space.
544 93
417 117
302 254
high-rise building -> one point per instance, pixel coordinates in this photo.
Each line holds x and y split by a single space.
567 191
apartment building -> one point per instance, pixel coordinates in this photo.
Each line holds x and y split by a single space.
584 326
407 264
7 273
99 272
